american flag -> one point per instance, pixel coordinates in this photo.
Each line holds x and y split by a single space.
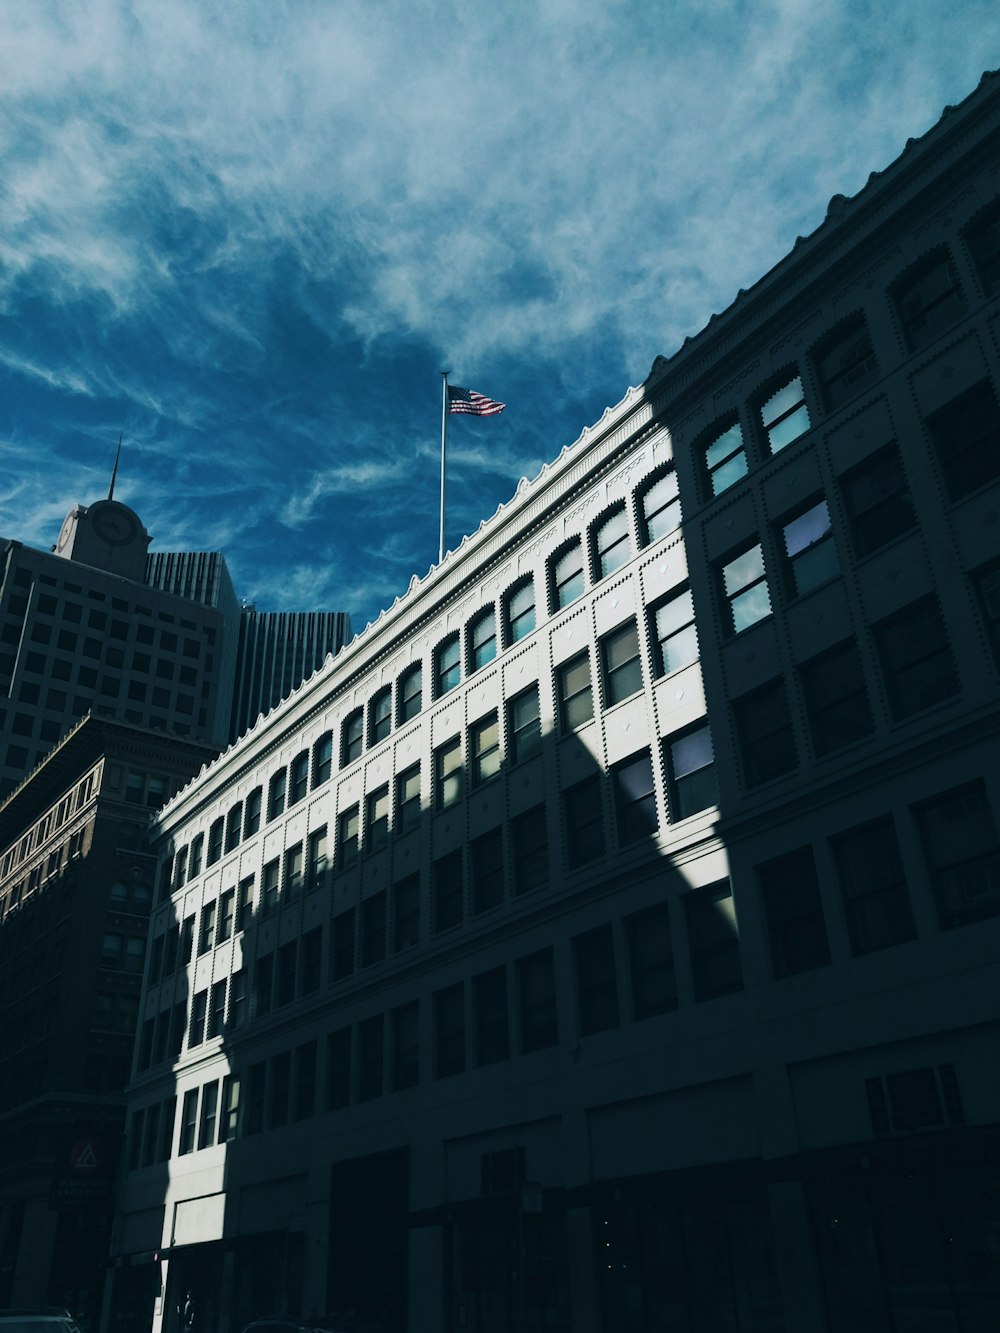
476 404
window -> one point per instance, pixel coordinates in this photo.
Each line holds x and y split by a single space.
536 989
489 1009
651 962
217 1008
691 772
966 437
263 985
322 759
519 611
963 854
209 1111
928 299
206 938
293 872
845 363
406 913
234 820
487 871
524 727
784 415
484 749
251 813
621 665
794 913
596 980
635 799
229 1120
660 507
312 960
584 822
612 542
449 1031
725 460
278 1087
447 665
809 550
834 689
373 930
254 1122
745 590
348 830
189 1122
408 799
983 237
873 887
675 638
194 864
318 859
299 778
269 886
199 1011
988 587
914 1099
352 736
304 1087
566 575
482 639
530 850
244 903
916 659
713 941
405 1046
448 773
276 794
370 1057
377 818
227 912
576 698
448 888
342 945
410 696
877 501
380 715
338 1069
215 841
764 729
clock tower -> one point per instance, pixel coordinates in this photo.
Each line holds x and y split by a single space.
106 535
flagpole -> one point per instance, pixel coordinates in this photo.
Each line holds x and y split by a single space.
444 448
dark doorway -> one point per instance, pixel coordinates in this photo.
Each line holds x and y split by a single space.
369 1205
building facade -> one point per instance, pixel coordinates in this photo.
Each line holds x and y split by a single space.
609 938
76 887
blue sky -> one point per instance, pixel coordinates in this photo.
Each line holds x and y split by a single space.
249 235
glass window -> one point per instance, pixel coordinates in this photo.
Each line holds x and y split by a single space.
348 831
530 850
377 818
342 945
584 822
406 913
318 858
215 840
338 1069
519 611
916 659
489 1005
635 799
836 699
234 823
576 698
596 981
447 665
206 936
483 639
713 941
691 769
251 813
448 891
983 237
744 585
380 715
566 575
845 362
766 738
449 1031
793 912
269 887
487 870
966 436
524 728
448 773
227 914
408 799
352 736
784 415
199 1011
622 666
322 759
536 985
189 1122
810 552
651 962
612 543
928 299
988 587
484 749
873 887
660 506
963 854
293 872
370 1057
405 1046
373 930
877 500
276 793
410 694
675 637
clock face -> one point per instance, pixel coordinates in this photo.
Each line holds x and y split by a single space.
67 530
113 523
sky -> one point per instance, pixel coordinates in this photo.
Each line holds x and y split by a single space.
249 235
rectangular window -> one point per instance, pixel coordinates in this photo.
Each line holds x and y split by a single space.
916 659
238 999
529 843
809 550
377 818
270 882
674 635
229 1120
348 833
298 778
263 985
449 1031
338 1069
483 639
661 507
484 749
489 1007
651 962
286 963
536 991
928 299
764 729
584 822
370 1057
877 500
293 873
352 736
746 596
487 871
380 716
987 583
963 854
234 822
373 930
566 575
304 1099
524 727
342 945
410 693
873 887
199 1010
217 1009
596 980
519 611
966 436
318 862
576 697
448 773
845 363
244 903
612 543
406 913
206 936
983 237
713 941
256 1080
691 772
448 890
621 664
278 1088
784 415
189 1122
251 813
312 960
405 1046
215 840
322 759
276 793
635 799
725 460
833 686
793 912
447 665
209 1115
408 799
